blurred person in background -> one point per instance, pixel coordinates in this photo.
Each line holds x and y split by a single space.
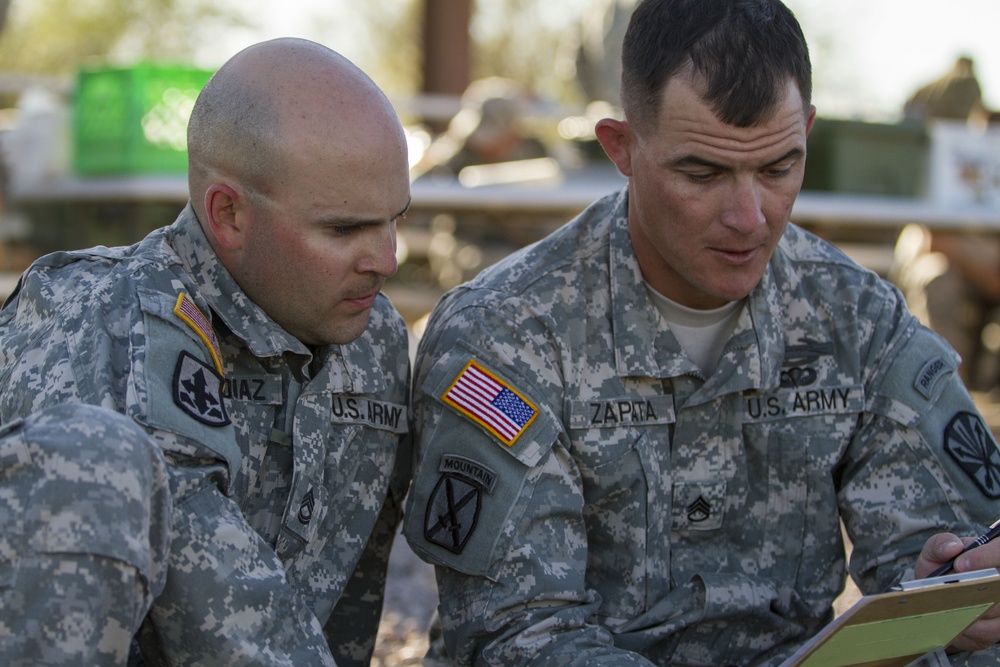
956 95
489 128
597 46
951 280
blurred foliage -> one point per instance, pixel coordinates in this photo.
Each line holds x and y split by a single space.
56 36
391 40
508 40
511 42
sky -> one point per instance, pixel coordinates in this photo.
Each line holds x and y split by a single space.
872 54
868 55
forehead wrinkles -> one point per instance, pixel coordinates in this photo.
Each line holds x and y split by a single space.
743 141
687 125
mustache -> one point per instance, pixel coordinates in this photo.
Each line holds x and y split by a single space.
374 284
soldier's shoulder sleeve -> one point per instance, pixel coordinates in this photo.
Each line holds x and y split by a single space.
914 372
485 413
56 335
180 375
50 283
918 387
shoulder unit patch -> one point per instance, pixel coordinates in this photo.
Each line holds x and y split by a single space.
452 513
198 391
970 443
490 402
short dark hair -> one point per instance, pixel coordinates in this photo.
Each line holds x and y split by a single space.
745 51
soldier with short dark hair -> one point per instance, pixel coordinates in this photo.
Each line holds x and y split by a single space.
637 439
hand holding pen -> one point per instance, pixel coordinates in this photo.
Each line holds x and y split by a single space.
988 536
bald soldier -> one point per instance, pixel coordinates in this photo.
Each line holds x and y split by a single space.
204 446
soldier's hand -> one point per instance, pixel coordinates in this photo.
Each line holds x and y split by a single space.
939 550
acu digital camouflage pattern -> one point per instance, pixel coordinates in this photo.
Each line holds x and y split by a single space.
650 515
111 534
286 471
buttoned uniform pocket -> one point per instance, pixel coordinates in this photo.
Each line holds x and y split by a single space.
358 474
615 492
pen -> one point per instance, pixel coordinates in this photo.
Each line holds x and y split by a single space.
989 535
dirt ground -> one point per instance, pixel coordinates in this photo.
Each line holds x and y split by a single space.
410 599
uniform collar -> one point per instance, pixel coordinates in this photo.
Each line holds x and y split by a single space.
645 346
350 365
216 286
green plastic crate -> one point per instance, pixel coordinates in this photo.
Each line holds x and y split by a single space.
867 158
133 120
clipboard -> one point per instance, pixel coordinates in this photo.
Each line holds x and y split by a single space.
896 628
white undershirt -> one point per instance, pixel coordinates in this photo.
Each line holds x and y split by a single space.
702 333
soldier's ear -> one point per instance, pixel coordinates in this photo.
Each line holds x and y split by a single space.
225 218
615 138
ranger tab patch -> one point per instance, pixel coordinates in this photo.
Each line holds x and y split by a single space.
490 402
968 440
186 309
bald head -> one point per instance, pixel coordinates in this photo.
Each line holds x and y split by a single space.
271 101
298 173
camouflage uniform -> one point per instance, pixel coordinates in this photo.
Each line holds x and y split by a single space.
590 498
112 532
286 464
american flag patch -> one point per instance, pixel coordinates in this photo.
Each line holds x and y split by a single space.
491 403
188 311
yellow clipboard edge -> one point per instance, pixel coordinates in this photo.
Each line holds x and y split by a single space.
936 611
905 638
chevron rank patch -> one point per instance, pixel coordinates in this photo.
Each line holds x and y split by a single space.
490 402
198 391
970 443
186 309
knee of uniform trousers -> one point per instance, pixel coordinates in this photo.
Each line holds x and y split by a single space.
82 480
